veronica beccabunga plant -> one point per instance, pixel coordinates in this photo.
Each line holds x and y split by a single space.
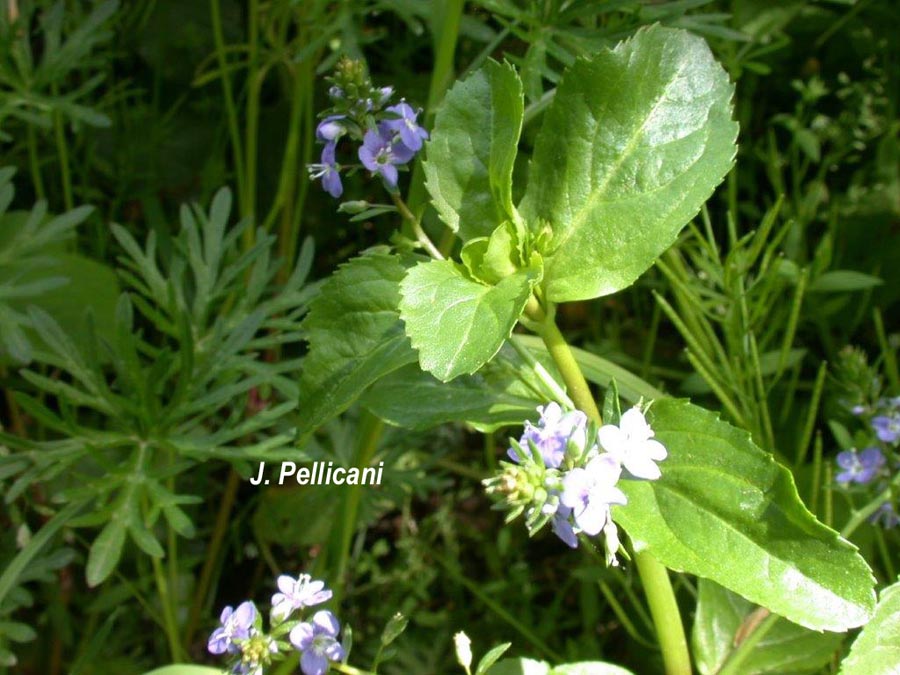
633 143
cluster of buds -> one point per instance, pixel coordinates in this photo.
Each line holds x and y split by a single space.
564 471
388 135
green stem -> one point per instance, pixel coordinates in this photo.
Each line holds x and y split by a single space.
664 610
655 578
230 108
170 622
62 148
371 429
421 236
564 359
861 515
255 77
35 164
223 519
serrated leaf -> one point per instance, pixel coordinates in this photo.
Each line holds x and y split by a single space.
355 337
502 393
473 149
105 552
876 651
457 324
634 142
725 510
786 648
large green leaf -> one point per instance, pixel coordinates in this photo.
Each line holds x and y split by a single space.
457 324
635 141
355 337
725 510
877 649
785 649
503 393
473 148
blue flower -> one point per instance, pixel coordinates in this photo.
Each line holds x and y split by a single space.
380 154
317 642
328 171
887 427
296 594
859 467
330 129
236 625
562 526
404 124
885 516
590 492
552 434
632 444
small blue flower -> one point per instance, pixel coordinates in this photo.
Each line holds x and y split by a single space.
562 526
328 171
859 467
885 516
552 434
296 594
404 124
633 445
380 154
887 427
330 129
317 642
590 492
236 625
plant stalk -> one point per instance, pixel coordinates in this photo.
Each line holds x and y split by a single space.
655 578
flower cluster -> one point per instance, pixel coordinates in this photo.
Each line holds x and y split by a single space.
389 136
566 471
872 469
241 637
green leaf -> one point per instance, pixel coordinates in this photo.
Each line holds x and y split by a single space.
726 511
105 552
634 142
457 324
785 648
491 657
844 280
877 649
473 148
355 337
502 393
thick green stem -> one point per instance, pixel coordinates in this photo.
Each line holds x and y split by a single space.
655 578
666 617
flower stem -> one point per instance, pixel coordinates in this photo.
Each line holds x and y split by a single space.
417 227
657 586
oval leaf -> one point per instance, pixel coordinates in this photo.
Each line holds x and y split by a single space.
635 141
456 324
473 149
726 511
